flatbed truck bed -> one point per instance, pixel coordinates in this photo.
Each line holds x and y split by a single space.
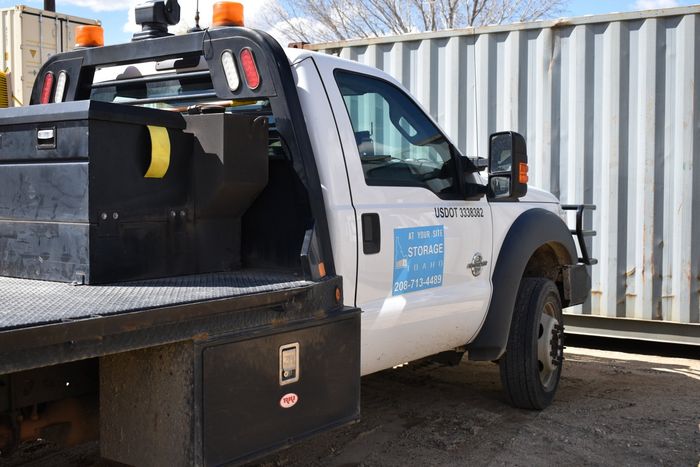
44 322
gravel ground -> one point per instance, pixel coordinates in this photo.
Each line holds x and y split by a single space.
613 408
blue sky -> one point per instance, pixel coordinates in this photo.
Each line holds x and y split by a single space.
115 17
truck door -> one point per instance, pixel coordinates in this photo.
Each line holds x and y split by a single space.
424 250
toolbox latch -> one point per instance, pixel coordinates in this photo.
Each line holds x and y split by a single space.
46 138
289 364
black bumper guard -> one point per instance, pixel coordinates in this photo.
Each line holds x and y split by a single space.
580 233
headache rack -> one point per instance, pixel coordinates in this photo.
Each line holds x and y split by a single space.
200 54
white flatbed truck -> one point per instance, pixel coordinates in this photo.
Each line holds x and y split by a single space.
371 242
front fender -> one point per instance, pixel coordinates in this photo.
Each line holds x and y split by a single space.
531 230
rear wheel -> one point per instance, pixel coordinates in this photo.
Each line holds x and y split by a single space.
531 366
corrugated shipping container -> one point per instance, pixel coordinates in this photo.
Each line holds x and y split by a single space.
29 38
610 108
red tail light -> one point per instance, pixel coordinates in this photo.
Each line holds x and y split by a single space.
47 88
250 69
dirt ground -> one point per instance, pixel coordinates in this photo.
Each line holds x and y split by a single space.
612 408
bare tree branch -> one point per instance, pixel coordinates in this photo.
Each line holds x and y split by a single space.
331 20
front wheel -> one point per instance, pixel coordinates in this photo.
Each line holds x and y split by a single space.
531 367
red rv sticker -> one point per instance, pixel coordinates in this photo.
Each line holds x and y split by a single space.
289 400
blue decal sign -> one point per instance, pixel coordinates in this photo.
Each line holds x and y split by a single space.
419 258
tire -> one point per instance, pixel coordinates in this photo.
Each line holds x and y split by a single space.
531 367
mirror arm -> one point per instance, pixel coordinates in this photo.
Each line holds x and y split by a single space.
468 166
481 163
475 191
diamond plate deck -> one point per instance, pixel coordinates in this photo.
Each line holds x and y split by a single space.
25 303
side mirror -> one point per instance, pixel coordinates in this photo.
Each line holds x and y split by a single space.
508 171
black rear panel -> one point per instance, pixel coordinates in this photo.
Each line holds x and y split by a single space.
240 422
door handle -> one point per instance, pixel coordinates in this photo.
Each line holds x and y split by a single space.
371 234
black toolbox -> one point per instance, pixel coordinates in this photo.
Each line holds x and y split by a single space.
267 392
94 192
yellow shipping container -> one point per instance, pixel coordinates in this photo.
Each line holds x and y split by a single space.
29 37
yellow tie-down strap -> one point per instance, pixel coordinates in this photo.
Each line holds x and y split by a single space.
160 152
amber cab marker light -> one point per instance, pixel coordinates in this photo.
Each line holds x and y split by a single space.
228 14
338 295
89 35
522 175
46 88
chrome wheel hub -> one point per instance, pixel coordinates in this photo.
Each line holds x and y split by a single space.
550 346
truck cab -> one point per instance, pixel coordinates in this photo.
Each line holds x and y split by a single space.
397 188
428 230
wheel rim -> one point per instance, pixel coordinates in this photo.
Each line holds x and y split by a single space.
548 346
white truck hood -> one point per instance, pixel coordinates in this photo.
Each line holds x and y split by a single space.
536 195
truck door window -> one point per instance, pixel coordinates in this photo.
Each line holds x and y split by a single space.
397 143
